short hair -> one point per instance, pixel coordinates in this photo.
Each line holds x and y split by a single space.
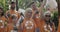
12 2
47 12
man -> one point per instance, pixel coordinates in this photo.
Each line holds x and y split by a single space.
12 12
13 16
3 20
28 24
49 25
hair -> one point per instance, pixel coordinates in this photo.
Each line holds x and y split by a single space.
2 10
12 2
27 10
47 12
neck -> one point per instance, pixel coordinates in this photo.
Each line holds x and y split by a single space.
12 9
27 18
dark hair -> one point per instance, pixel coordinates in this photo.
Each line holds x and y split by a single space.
12 2
2 10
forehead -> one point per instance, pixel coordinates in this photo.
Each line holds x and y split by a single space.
29 11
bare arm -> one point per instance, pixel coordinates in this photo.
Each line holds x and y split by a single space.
42 5
41 8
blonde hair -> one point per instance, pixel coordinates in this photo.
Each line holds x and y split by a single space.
27 10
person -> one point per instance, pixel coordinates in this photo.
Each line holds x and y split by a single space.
3 20
12 12
48 22
58 30
37 14
28 24
13 17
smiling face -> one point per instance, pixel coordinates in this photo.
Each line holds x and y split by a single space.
28 13
47 17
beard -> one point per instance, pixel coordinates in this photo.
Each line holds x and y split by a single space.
12 8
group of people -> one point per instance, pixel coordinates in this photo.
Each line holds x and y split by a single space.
33 20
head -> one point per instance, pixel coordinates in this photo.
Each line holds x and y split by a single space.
13 4
1 11
28 13
47 15
33 5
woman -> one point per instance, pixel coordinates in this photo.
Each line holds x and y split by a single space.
3 21
28 24
49 24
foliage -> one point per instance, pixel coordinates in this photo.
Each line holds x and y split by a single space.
4 4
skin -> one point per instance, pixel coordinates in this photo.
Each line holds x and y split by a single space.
3 20
11 21
28 16
13 6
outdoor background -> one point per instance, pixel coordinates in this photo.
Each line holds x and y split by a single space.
23 5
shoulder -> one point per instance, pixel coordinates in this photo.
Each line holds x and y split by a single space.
4 18
8 11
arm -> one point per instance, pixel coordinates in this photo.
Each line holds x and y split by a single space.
53 28
42 5
20 28
41 8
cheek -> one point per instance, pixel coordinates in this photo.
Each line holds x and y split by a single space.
0 24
